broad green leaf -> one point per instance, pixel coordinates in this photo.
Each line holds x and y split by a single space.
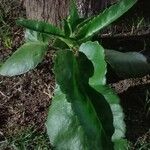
40 26
96 129
121 144
65 131
46 28
34 36
118 116
67 28
63 126
95 53
73 15
84 21
104 19
129 64
27 57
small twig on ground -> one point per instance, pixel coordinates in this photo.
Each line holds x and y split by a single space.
48 91
124 85
3 94
127 35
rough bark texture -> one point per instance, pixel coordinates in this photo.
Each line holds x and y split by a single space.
47 10
90 7
55 10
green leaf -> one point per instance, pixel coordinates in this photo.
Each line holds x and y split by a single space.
63 126
118 116
60 44
121 144
27 57
34 36
73 15
69 42
84 21
40 26
129 64
104 19
95 53
95 128
67 28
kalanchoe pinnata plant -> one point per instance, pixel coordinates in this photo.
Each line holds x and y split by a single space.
85 113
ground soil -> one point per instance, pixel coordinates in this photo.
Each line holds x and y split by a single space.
24 99
137 117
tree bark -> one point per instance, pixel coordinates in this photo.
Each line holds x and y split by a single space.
55 10
48 10
92 7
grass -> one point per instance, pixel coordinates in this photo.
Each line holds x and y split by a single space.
143 142
9 12
5 33
29 139
5 27
147 104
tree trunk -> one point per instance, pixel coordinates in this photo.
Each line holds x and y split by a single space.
48 10
55 10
